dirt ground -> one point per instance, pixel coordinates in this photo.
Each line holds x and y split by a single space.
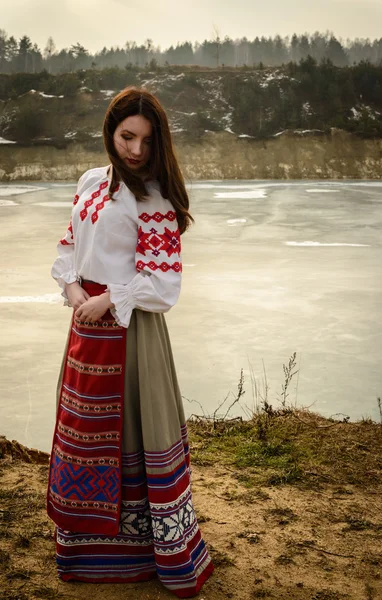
280 542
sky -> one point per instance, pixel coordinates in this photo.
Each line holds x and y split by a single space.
99 23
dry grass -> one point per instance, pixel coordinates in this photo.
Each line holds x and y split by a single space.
287 445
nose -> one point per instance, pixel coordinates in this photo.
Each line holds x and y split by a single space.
136 148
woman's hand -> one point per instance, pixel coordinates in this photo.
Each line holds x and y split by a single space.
94 308
76 294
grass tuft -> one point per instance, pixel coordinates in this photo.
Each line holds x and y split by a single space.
286 445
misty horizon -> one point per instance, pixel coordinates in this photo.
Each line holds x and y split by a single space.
97 24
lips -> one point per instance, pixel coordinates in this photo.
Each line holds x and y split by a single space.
132 161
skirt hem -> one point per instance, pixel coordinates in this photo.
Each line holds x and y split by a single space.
186 593
134 579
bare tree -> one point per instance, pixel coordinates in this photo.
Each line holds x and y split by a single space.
49 49
217 41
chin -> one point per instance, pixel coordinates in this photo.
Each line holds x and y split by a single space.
135 167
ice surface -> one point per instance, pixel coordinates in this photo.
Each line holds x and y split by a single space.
12 190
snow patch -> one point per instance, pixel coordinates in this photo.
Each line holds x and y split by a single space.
42 94
12 190
357 112
8 203
49 95
235 221
307 109
108 93
322 191
209 186
188 114
53 204
308 243
62 184
4 141
298 132
45 298
251 194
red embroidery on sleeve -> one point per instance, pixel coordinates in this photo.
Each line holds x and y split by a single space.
155 242
158 217
65 242
177 266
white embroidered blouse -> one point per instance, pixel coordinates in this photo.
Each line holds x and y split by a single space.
132 247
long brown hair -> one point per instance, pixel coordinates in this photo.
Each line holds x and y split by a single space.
162 164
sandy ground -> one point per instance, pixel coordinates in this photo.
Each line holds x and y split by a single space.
282 542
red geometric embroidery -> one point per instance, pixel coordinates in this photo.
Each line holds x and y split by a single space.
169 241
158 217
100 206
64 242
88 203
90 369
76 198
177 266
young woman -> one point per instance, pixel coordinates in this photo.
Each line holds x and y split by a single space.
119 482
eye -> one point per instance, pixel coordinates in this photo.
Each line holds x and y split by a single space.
125 137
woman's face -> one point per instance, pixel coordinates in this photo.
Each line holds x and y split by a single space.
132 141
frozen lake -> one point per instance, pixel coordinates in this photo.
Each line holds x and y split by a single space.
270 268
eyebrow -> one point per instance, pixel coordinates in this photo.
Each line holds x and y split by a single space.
132 133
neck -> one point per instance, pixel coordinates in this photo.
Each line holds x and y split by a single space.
144 173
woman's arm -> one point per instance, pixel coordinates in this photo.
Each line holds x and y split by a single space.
156 286
63 270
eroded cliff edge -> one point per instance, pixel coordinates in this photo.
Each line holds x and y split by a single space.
216 155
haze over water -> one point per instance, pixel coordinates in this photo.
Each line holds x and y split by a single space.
270 268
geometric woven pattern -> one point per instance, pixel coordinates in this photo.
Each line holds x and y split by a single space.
85 467
79 484
172 526
158 533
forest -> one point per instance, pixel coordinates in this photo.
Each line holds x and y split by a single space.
23 55
257 102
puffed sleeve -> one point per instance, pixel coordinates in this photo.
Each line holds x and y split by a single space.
63 270
156 286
